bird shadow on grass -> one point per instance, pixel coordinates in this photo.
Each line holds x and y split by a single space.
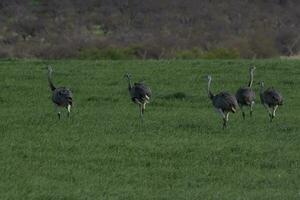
287 128
113 83
174 96
164 100
101 99
193 126
288 82
201 128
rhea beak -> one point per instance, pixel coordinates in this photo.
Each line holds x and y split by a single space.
127 75
207 77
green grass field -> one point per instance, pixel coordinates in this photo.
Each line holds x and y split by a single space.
103 151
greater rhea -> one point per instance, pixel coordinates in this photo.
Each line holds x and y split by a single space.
271 99
139 93
61 96
245 95
223 102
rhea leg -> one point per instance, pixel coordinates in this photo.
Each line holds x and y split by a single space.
243 112
141 112
225 120
57 111
220 111
274 110
268 109
273 113
251 108
69 110
143 107
140 107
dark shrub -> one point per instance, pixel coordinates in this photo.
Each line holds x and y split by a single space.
107 53
221 53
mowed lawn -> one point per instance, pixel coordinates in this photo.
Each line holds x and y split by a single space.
103 151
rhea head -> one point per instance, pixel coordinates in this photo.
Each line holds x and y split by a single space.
127 75
262 84
252 69
208 78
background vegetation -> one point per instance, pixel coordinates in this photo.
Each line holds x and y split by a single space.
127 29
180 152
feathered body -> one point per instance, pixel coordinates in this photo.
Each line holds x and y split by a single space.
140 94
271 99
223 102
245 95
61 96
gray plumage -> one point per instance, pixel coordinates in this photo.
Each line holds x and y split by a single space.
223 102
139 93
271 99
61 96
245 95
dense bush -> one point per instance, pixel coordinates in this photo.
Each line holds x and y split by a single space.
108 53
102 29
189 54
219 53
142 53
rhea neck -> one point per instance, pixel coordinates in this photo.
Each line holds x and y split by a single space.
262 85
51 85
210 94
251 74
129 82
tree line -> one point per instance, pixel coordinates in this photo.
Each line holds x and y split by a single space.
156 29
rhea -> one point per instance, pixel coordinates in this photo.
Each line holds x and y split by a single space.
223 102
270 99
140 94
62 97
245 95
